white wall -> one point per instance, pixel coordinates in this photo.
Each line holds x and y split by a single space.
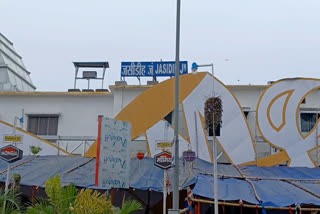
248 97
77 114
123 95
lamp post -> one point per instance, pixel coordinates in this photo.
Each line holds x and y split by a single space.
194 68
176 117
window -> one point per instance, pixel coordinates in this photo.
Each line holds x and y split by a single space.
308 120
168 118
43 124
246 113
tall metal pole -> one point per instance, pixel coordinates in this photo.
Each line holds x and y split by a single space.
317 143
6 190
214 144
176 115
164 211
214 147
75 77
6 186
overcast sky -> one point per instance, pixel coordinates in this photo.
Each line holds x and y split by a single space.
249 41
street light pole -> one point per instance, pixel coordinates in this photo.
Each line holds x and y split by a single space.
195 67
215 164
176 115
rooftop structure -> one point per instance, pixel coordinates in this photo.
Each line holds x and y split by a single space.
13 74
89 74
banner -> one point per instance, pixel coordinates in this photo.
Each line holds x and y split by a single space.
114 160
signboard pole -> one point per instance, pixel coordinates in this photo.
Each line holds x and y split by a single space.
98 150
8 170
11 154
163 160
164 192
14 134
7 179
6 189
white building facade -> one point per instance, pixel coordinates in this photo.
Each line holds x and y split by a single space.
265 125
70 119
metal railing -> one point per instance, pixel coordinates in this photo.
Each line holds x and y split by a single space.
76 145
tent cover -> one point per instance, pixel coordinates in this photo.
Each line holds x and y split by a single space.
277 186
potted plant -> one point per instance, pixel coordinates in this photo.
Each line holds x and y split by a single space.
16 179
35 149
213 108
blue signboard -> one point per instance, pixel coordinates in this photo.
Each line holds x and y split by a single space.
151 69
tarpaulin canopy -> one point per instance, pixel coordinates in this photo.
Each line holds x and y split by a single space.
274 186
272 193
35 171
313 186
229 189
281 194
282 172
277 186
144 175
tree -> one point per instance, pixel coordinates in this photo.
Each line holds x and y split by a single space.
60 199
128 207
41 207
92 202
54 193
11 201
67 200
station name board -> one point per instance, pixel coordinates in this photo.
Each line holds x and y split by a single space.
152 69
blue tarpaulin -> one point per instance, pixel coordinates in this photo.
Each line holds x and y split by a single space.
35 171
274 193
282 194
313 186
229 189
275 186
282 172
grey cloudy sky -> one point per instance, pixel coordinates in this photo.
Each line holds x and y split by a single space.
261 40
